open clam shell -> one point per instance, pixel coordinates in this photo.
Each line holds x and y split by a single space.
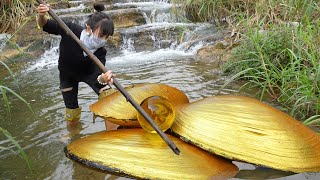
246 129
136 153
118 110
160 110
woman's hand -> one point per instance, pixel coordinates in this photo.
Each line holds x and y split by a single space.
107 77
42 9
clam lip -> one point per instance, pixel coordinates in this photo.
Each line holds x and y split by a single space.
245 129
160 110
116 106
136 153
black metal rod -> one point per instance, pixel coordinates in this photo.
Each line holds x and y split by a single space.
115 81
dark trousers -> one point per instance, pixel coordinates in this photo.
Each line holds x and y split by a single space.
69 85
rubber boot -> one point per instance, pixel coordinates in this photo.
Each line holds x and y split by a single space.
73 114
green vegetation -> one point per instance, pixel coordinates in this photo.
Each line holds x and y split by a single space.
5 98
279 48
14 15
16 144
3 91
285 64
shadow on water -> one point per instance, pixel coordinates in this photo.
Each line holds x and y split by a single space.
249 171
262 173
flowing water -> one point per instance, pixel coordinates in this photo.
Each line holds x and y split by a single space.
157 58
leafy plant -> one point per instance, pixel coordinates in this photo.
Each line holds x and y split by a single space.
4 90
284 63
279 52
233 12
13 13
16 144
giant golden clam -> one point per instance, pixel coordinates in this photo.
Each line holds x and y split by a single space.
136 153
235 127
115 108
246 129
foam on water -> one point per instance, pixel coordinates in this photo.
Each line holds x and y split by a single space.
47 61
150 56
156 4
50 58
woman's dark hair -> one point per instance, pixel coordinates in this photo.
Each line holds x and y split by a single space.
100 20
98 7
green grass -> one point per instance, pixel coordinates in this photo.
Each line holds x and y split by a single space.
5 97
284 63
22 154
279 48
234 11
14 15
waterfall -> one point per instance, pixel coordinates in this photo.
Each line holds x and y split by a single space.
127 45
161 33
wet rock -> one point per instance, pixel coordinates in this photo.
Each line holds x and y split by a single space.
73 10
127 18
113 45
206 34
29 33
59 4
120 6
21 54
105 1
216 54
121 18
27 41
152 37
221 45
130 1
8 54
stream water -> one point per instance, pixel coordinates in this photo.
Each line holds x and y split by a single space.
158 57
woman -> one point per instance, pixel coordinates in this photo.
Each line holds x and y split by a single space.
74 65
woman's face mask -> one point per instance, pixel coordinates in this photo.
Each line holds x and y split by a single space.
91 41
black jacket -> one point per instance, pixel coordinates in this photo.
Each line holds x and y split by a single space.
71 58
